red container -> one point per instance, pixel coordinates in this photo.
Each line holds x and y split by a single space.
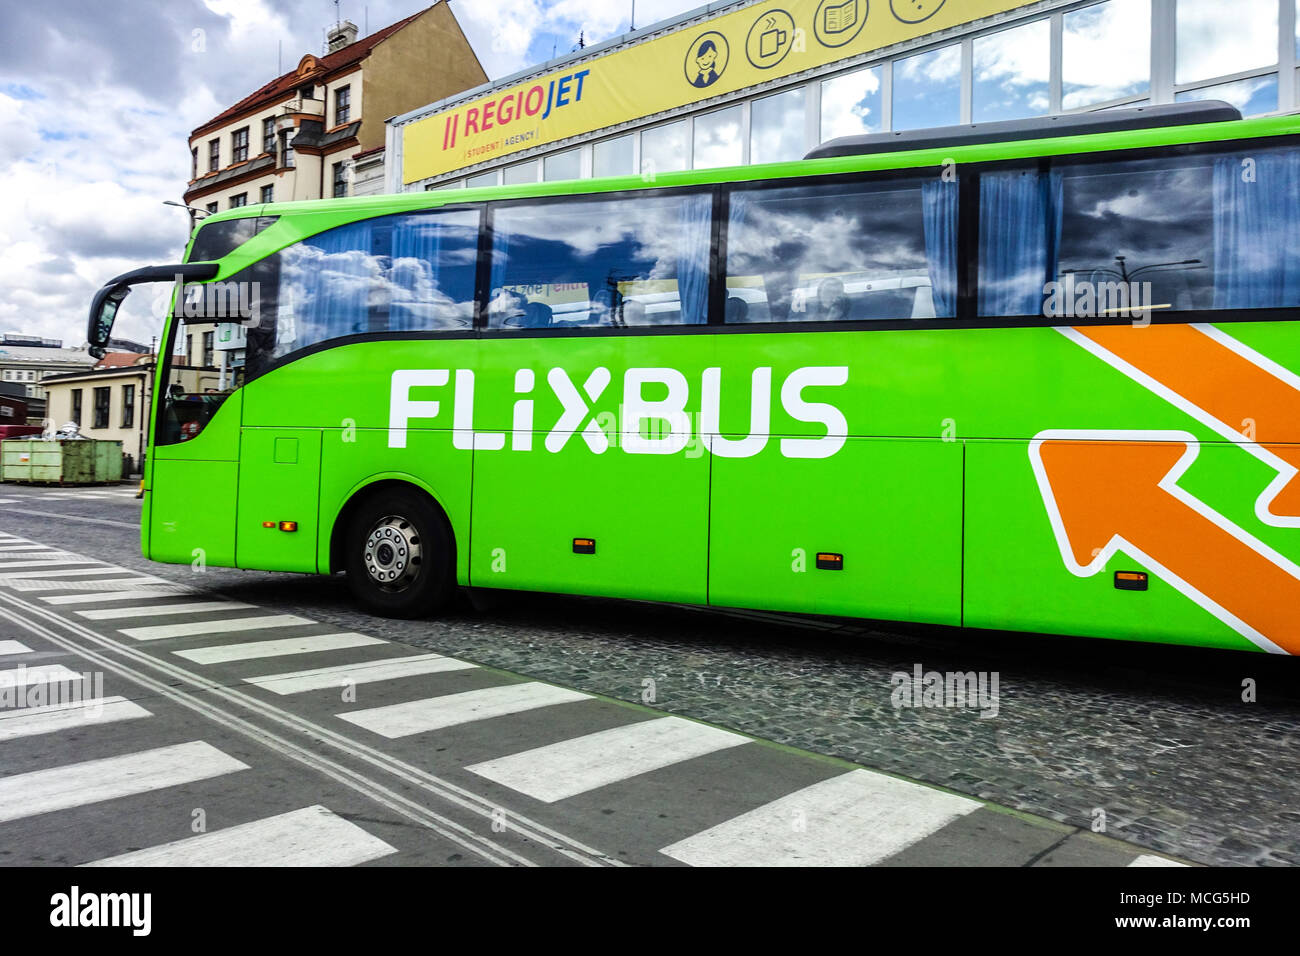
18 431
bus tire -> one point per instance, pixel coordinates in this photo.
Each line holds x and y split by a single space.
401 556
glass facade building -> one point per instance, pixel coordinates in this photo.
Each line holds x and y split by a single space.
1043 58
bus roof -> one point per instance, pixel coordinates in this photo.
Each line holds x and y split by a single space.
1039 127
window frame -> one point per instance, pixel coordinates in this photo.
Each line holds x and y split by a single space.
214 154
76 407
268 134
343 104
239 145
128 406
101 413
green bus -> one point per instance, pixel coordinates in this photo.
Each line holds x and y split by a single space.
1035 376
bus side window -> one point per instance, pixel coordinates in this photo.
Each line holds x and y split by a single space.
842 251
594 262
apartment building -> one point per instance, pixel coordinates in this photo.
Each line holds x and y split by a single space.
318 131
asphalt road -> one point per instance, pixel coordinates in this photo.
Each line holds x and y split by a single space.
262 715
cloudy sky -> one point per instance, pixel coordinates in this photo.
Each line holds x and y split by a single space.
97 101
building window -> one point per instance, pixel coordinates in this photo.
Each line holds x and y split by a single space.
482 179
520 173
663 149
852 104
239 199
268 193
613 157
214 155
342 105
102 400
212 207
1119 27
76 405
565 165
776 128
1013 73
268 135
1254 96
286 149
1221 39
128 406
927 89
194 163
340 180
717 139
239 145
209 353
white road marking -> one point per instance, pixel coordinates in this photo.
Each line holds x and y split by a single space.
31 721
158 610
435 713
10 548
157 632
13 647
281 648
570 767
97 596
296 682
312 836
37 674
45 559
856 819
74 785
70 572
1147 859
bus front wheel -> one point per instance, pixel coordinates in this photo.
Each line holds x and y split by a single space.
400 556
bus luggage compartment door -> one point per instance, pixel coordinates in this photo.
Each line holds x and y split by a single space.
873 532
279 499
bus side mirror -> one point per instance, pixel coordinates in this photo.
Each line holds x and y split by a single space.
103 309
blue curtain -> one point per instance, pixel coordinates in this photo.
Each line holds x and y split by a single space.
1020 240
939 212
696 222
414 295
329 279
1257 230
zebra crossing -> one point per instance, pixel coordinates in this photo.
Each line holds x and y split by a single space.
612 773
13 494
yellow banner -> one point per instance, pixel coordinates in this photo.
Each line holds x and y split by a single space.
711 58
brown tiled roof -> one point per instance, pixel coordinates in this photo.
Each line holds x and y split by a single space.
120 359
282 86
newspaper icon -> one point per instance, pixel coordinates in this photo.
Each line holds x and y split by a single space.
838 17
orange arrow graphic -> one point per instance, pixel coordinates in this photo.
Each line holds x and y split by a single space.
1105 496
1215 374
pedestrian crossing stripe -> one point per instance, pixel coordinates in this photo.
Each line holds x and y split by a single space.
94 781
312 836
33 721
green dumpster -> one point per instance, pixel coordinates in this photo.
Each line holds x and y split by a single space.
60 462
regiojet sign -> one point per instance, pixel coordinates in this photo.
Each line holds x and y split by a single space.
695 62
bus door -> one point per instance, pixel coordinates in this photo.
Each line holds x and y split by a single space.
279 495
192 473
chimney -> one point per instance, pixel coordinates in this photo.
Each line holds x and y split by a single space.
342 34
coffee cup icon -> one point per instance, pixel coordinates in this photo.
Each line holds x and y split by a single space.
771 41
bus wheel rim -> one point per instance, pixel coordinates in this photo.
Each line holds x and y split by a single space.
393 553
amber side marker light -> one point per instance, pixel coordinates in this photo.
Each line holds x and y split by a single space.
584 545
1130 580
268 524
288 526
827 561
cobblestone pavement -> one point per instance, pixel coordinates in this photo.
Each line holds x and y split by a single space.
1154 742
